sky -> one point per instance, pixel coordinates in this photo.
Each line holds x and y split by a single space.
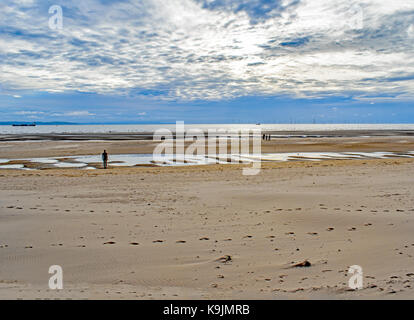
207 61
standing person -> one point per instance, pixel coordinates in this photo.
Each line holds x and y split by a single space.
105 159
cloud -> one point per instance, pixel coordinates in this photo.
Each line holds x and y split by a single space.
78 114
410 31
209 49
25 113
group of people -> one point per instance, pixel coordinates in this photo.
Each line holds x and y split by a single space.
266 137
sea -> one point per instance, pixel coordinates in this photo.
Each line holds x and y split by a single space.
149 128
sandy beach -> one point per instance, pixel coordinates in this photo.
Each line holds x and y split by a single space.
208 232
206 150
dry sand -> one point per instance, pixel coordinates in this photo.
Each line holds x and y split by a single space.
159 233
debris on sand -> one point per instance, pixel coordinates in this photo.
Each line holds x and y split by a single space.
303 264
224 259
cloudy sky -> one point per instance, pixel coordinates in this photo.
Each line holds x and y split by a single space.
206 61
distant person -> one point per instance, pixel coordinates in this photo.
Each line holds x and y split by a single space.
105 159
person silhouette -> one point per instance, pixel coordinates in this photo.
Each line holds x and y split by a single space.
105 159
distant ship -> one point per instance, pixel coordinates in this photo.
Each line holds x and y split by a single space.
24 125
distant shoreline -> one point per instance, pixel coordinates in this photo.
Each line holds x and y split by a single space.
64 123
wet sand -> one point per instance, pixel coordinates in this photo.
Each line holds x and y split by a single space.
48 148
125 136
